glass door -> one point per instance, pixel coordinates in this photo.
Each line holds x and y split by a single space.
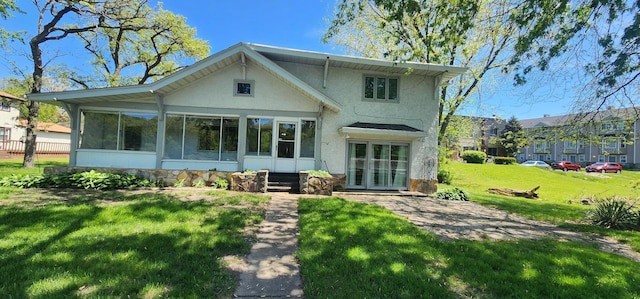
379 165
286 147
383 166
357 170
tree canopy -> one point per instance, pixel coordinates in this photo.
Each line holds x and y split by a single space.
118 35
488 36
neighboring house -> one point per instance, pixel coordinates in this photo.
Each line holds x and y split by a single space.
9 114
611 136
371 123
483 135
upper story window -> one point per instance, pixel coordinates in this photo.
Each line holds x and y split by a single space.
378 88
5 106
612 126
244 87
493 132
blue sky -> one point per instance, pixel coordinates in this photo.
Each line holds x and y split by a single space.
300 24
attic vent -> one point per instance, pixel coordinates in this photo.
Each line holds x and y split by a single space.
243 87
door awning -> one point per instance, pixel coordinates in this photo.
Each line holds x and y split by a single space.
391 130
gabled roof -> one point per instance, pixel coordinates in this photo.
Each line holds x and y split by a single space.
264 56
10 97
561 120
47 127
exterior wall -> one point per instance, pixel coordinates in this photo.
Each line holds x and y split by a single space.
417 107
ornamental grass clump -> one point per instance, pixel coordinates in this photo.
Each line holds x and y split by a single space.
614 213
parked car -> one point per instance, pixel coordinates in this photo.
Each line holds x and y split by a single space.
536 163
565 165
604 167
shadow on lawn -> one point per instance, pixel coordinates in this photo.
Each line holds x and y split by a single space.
148 248
363 251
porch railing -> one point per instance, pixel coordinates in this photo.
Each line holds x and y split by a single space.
15 147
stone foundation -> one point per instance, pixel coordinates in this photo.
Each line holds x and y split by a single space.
188 178
339 182
423 186
319 185
250 182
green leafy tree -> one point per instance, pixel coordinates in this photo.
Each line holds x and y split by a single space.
606 30
61 19
7 7
513 137
470 33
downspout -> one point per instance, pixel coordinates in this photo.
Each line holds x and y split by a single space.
318 144
243 63
160 129
326 72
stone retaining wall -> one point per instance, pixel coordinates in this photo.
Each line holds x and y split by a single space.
319 185
250 182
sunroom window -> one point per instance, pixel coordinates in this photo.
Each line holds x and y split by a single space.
190 137
132 131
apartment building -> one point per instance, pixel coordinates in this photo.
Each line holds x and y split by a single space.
606 136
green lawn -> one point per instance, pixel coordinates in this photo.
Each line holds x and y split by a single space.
14 166
93 244
560 193
352 250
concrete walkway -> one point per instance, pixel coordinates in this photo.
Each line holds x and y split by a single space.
272 269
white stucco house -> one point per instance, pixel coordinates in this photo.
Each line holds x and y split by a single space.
9 114
371 123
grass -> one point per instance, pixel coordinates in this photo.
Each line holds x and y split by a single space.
560 193
352 250
14 166
55 244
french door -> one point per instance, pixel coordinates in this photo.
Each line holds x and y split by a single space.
377 165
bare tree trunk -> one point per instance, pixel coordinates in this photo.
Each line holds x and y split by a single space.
34 107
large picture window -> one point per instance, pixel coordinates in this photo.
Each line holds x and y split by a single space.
259 134
189 137
381 88
118 131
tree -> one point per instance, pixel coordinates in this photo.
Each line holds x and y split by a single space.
491 35
140 39
6 9
607 32
512 138
470 33
60 19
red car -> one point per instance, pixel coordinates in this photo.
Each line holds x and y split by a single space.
565 165
604 167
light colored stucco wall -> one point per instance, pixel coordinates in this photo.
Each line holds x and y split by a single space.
216 91
9 119
417 108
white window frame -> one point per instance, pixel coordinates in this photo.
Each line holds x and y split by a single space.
581 158
623 159
5 106
374 97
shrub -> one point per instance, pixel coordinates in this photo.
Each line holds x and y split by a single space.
80 180
452 194
504 160
613 213
444 176
221 184
477 157
319 173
